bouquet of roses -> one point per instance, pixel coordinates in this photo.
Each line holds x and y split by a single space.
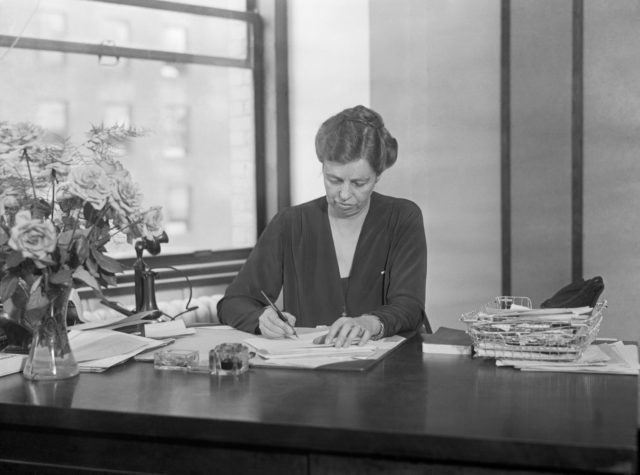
60 204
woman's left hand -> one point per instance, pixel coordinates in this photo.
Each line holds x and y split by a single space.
348 330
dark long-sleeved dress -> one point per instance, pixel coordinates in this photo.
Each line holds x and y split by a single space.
295 253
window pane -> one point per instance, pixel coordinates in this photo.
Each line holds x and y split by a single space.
52 115
53 24
197 160
128 26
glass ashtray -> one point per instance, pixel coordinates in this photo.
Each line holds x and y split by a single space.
175 359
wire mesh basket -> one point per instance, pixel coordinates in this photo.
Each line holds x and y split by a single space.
509 327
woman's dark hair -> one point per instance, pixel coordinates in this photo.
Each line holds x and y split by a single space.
357 133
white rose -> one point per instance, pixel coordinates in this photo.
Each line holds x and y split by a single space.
125 194
91 184
152 224
34 238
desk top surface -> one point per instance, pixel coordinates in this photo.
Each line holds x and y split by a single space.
425 407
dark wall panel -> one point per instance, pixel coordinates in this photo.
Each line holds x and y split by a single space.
541 59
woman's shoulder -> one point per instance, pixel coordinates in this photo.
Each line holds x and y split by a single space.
311 206
392 204
308 209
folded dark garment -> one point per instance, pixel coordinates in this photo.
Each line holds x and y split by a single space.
580 293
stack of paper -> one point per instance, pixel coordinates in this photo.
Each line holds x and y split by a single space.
118 321
607 358
99 350
517 311
303 347
10 363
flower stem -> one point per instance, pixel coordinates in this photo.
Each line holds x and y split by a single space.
53 192
33 185
101 215
122 230
73 232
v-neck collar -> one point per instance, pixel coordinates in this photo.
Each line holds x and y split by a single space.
363 230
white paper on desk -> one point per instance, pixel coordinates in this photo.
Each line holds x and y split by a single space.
10 363
620 359
308 363
303 347
101 349
117 322
203 340
161 330
207 338
97 324
592 355
216 327
381 347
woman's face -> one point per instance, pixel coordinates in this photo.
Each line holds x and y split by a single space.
348 186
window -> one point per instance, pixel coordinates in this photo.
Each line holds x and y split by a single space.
177 215
183 71
117 114
175 39
118 32
52 115
53 24
175 128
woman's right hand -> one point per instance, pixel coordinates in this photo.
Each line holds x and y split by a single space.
272 327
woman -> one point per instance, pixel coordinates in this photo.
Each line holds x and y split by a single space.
354 259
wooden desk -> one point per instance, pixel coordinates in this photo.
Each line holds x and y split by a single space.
410 412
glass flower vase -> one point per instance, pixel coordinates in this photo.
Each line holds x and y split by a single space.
50 356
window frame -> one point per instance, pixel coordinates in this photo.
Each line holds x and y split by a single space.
206 267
